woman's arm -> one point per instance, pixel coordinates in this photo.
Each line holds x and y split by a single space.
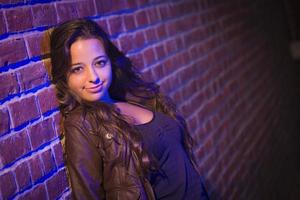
96 164
84 163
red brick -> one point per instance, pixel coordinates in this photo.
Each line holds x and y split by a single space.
115 24
177 62
47 100
9 85
177 97
188 7
12 51
15 146
36 168
41 132
185 75
38 192
192 123
44 15
5 121
139 39
161 31
147 75
185 92
142 2
33 76
11 1
215 172
141 18
85 8
57 123
38 44
108 6
57 184
126 43
66 11
176 10
104 6
153 15
8 185
103 24
208 162
179 43
188 23
150 35
171 46
160 51
2 23
129 22
48 161
158 71
121 5
197 36
149 56
168 66
130 4
188 109
193 52
23 176
23 111
170 84
172 28
164 12
58 154
164 87
186 59
19 19
200 153
137 61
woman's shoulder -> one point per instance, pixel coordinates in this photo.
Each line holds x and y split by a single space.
78 124
79 118
75 116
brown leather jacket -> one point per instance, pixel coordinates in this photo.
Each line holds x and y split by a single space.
94 163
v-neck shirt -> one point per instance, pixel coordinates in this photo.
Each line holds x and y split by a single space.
177 179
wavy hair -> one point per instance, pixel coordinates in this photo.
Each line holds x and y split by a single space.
127 85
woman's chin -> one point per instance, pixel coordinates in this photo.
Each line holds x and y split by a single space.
92 97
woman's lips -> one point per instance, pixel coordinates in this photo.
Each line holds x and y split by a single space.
94 89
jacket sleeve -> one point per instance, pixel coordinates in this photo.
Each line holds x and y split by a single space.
95 165
84 163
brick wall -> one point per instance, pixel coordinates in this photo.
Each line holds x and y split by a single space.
224 63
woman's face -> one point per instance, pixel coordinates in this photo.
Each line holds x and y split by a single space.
90 73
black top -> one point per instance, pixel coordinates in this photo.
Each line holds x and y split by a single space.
178 179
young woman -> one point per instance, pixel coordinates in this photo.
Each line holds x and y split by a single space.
123 138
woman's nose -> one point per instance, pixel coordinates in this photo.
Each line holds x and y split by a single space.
93 76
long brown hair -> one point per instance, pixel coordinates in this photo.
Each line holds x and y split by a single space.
127 85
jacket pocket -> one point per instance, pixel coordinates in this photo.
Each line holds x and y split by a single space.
113 147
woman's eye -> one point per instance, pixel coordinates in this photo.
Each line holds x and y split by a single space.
76 69
100 63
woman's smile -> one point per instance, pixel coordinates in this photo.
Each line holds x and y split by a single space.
94 89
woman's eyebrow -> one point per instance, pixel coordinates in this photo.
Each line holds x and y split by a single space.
79 63
74 64
101 56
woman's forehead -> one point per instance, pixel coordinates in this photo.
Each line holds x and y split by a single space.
86 49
